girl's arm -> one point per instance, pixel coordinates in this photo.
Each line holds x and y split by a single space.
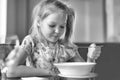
73 49
77 57
93 53
16 69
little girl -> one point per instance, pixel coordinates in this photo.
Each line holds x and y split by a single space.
47 43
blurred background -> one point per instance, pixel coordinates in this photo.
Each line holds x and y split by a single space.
96 20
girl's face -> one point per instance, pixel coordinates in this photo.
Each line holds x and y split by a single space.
53 26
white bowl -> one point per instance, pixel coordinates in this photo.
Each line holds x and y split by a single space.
75 68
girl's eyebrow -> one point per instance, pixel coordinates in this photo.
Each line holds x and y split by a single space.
52 22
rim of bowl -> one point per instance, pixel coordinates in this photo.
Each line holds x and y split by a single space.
74 63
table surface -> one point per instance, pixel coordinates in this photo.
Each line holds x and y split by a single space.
90 76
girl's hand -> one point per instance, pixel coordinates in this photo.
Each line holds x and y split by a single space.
93 52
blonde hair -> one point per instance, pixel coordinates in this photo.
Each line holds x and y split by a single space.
44 8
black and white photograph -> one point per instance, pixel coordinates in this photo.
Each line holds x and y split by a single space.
59 39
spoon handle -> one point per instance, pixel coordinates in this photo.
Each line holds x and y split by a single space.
89 47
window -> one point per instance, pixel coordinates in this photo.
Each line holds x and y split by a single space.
3 20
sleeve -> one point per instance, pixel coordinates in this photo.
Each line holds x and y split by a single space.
72 50
27 44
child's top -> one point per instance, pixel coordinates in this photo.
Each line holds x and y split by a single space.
40 55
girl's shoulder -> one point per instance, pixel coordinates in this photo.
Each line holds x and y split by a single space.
28 40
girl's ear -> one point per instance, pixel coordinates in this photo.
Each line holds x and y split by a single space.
38 21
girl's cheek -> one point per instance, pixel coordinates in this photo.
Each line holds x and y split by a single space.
62 31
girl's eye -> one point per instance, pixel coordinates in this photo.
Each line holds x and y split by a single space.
52 26
62 27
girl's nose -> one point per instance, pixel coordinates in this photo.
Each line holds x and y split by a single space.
57 30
